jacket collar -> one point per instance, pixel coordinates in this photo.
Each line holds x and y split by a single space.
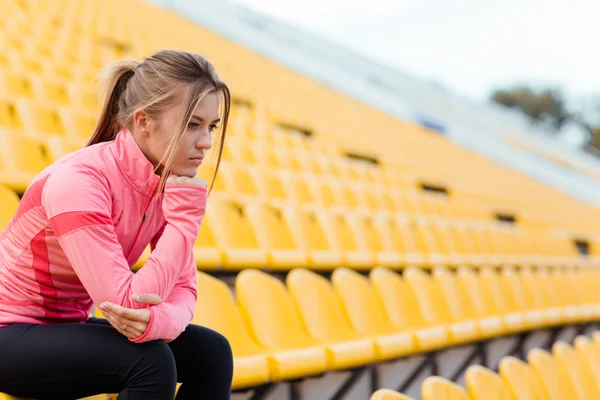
132 162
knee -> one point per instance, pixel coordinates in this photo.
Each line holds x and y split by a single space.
155 365
220 351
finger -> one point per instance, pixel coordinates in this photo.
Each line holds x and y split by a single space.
129 313
172 179
121 323
129 333
151 299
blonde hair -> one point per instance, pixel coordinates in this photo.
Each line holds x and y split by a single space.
152 85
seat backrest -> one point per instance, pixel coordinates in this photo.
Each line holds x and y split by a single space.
513 289
470 284
360 303
397 298
589 351
532 289
22 153
271 226
206 238
267 306
9 202
319 308
483 384
565 295
429 296
556 385
547 288
458 302
490 283
520 379
388 394
437 388
312 234
341 231
234 229
575 368
364 227
216 309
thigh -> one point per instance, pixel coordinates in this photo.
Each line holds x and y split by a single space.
63 361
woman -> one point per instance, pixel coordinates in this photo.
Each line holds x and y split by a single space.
86 219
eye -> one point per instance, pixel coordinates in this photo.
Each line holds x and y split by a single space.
193 125
213 127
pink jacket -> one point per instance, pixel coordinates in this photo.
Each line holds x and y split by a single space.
81 225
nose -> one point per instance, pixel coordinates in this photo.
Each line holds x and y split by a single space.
204 140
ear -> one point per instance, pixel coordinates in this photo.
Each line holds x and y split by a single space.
141 122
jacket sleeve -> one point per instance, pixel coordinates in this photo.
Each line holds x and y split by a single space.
177 310
78 204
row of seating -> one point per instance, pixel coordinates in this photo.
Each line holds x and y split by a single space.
279 117
567 372
306 325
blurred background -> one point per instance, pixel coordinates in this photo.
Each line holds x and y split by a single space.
409 191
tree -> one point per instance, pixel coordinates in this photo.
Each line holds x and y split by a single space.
546 105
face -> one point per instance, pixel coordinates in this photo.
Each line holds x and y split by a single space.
155 134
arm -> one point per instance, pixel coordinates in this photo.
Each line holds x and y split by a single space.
78 205
178 307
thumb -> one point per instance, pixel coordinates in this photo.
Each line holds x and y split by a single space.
152 299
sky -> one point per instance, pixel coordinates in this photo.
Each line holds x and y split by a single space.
468 46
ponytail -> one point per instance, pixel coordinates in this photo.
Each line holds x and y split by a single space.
115 84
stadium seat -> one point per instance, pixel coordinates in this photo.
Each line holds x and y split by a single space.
483 384
206 251
520 379
367 316
21 159
556 384
551 297
274 323
495 299
535 299
404 312
307 228
388 394
323 318
575 368
10 202
589 351
437 388
490 322
216 309
234 235
273 234
435 308
354 252
515 298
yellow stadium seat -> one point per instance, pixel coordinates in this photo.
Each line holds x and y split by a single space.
534 296
275 324
206 251
567 297
355 253
483 384
551 296
435 307
41 118
437 388
519 378
403 310
492 288
324 320
9 202
575 368
310 234
367 232
556 384
4 396
21 159
274 235
490 322
367 316
58 147
216 309
234 235
10 119
589 350
388 394
515 297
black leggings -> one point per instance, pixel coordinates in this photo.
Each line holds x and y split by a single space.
71 361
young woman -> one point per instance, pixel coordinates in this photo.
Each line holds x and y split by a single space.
86 219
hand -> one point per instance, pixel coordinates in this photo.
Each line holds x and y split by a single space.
185 180
130 322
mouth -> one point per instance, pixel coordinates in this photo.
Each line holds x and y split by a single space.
196 160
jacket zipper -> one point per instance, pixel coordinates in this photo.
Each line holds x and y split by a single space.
139 229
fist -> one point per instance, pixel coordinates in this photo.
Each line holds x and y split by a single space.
185 180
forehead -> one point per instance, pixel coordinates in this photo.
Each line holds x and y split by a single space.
208 109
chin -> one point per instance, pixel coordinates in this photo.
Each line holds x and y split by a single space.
189 172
